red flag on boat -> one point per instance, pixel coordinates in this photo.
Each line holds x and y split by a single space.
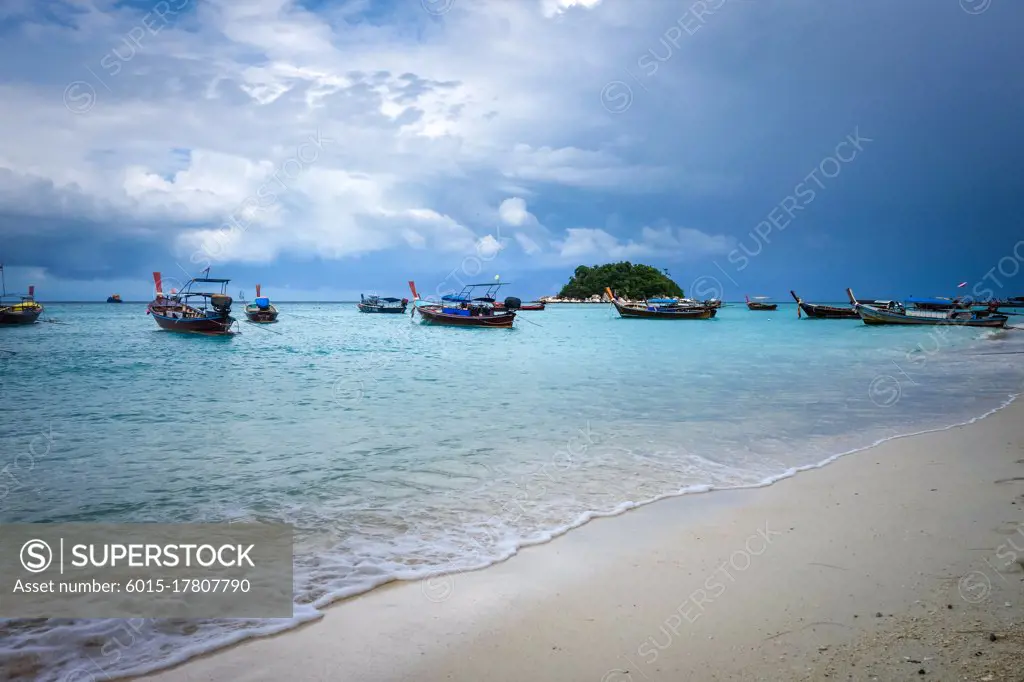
961 285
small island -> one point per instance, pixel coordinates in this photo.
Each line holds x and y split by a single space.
628 280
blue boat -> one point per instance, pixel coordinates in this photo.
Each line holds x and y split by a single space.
261 310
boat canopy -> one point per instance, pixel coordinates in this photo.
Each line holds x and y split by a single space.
662 300
931 301
466 295
389 299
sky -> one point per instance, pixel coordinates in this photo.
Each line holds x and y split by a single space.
325 148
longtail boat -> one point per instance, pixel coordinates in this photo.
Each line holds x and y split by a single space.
261 310
192 311
757 305
533 305
897 313
466 310
27 311
382 304
661 309
823 312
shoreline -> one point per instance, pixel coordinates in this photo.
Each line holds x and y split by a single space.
430 604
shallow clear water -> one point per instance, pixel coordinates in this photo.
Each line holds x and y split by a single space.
400 450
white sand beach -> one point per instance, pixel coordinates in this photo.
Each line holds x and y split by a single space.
895 562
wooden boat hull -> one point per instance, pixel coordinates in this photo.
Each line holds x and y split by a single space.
665 314
825 312
828 312
877 316
261 315
763 307
365 308
19 317
432 315
532 306
220 324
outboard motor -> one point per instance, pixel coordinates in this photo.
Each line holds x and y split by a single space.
513 303
220 302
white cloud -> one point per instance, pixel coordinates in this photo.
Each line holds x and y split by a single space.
683 243
513 211
555 7
203 115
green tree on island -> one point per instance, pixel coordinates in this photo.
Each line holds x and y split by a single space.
625 279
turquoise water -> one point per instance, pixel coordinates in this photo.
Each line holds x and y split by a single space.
400 450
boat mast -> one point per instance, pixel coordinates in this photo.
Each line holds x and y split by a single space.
3 280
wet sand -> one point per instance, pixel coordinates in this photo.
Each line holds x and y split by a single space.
896 562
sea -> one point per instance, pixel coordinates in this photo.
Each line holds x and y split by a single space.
400 451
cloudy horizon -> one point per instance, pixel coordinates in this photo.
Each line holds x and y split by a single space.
325 148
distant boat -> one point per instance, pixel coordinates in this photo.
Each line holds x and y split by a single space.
382 304
465 310
824 312
114 298
897 313
662 309
27 311
261 310
757 305
533 305
191 311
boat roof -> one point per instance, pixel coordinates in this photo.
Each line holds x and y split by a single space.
661 300
465 296
935 300
209 279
